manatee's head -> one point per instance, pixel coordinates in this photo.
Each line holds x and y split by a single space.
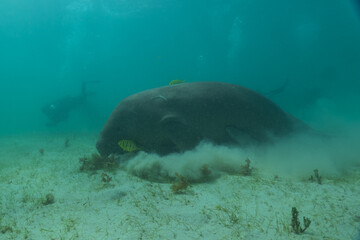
123 124
142 118
136 118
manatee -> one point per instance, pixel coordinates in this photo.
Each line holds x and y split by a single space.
177 118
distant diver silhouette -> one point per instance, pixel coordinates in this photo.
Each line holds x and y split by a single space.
278 90
58 111
357 5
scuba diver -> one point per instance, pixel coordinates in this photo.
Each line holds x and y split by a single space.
58 110
277 90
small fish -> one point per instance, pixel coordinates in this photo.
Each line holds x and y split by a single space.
128 146
176 81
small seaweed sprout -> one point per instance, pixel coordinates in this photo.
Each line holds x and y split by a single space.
246 170
295 223
96 162
5 229
49 199
67 143
180 185
105 178
317 177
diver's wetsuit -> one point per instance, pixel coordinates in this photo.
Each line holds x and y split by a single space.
58 110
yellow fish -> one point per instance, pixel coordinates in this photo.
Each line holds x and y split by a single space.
128 145
173 82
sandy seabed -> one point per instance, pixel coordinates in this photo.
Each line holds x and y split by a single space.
128 207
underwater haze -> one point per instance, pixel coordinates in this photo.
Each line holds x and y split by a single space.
66 64
48 48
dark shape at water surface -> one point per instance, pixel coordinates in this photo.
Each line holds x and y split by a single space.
177 118
357 5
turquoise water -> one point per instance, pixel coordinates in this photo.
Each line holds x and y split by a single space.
49 48
304 55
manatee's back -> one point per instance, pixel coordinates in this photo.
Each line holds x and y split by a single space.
213 106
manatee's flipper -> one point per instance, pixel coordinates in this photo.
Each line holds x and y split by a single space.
241 137
178 133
